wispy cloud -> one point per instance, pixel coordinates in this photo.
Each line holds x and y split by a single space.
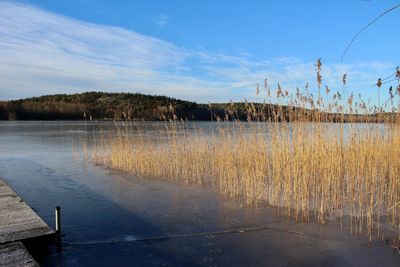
43 53
161 19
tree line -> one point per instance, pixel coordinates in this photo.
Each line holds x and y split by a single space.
136 106
98 105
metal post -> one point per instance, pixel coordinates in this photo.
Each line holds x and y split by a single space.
58 220
58 228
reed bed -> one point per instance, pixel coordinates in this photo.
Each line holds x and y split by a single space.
314 171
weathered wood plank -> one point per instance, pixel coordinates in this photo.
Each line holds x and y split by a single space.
5 190
17 220
16 255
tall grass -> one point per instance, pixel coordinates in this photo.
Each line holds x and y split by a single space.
314 171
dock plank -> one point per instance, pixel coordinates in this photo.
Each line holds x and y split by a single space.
16 255
17 220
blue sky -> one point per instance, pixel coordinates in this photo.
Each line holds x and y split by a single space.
195 50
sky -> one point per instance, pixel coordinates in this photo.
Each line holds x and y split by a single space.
204 51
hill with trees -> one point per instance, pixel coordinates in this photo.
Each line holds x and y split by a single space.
99 105
136 106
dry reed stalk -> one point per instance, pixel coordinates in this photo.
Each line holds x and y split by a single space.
314 171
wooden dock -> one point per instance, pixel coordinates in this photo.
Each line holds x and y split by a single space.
15 255
18 222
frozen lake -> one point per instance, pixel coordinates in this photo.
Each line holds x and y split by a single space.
110 218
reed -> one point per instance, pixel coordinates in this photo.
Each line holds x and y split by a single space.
327 169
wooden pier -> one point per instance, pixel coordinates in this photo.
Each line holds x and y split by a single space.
18 222
15 255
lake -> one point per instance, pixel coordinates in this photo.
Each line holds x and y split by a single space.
111 218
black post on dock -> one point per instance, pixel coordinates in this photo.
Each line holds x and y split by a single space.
58 228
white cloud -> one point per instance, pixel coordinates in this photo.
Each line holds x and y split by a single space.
44 53
161 19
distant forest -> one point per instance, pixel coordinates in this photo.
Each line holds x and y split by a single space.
112 106
100 105
128 106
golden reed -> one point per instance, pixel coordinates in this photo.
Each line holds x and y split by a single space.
314 171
